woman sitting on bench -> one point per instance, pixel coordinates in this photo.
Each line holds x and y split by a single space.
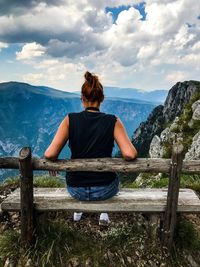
91 134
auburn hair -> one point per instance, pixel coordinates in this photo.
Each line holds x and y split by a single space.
92 89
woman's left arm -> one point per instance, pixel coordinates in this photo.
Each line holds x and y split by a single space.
59 140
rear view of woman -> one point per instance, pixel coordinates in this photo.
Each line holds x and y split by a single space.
91 134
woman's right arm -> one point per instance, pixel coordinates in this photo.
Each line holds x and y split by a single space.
128 150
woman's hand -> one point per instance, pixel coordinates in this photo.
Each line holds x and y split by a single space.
53 173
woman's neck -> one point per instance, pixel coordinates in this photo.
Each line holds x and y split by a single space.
94 109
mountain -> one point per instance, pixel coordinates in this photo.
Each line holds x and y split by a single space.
30 116
157 96
177 99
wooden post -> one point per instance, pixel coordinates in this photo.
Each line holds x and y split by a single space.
154 227
26 195
172 197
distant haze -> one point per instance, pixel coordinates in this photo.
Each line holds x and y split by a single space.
155 96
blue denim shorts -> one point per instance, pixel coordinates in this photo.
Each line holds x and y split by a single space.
95 193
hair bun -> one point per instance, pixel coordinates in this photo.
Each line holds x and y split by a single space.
88 77
92 89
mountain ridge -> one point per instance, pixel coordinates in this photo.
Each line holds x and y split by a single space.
133 93
179 95
59 93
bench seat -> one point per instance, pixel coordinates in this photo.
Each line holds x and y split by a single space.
127 200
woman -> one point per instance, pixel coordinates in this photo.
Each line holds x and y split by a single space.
91 134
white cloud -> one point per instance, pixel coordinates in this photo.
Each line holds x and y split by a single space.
176 76
196 47
147 51
58 74
62 41
34 78
3 45
30 51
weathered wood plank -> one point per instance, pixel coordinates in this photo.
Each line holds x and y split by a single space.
26 195
103 164
106 164
172 197
9 163
128 200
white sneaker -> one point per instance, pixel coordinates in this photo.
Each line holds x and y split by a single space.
104 219
77 216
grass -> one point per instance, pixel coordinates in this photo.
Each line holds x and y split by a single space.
38 181
47 181
55 244
9 182
149 180
9 246
187 236
58 241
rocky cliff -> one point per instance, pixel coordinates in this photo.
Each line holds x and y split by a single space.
178 97
184 129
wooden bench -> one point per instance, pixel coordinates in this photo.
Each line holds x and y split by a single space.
153 202
128 200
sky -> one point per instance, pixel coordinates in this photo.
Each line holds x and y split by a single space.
130 44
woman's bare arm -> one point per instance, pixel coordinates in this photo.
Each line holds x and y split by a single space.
127 148
59 140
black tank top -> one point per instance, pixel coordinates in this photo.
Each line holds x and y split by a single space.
91 135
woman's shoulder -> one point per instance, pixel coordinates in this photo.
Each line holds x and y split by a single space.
110 116
105 115
74 113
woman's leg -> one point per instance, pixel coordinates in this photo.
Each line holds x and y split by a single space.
104 192
94 193
79 193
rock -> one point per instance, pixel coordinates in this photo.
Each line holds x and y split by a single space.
192 261
174 125
14 217
196 110
29 263
109 256
129 259
155 150
194 150
151 263
74 262
167 135
191 123
8 263
122 261
178 96
4 227
89 263
147 130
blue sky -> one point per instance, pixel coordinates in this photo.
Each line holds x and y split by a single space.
146 45
115 11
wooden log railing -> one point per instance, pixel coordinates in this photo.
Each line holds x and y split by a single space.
174 167
104 164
